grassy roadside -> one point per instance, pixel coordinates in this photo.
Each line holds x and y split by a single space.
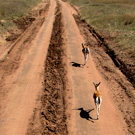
16 8
114 20
12 10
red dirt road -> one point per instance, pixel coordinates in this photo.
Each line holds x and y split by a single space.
24 85
21 84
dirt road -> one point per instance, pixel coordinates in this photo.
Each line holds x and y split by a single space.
110 121
67 85
23 84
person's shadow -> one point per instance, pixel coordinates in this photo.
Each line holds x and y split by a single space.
74 64
85 114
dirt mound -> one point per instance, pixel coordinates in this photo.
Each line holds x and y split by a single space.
52 111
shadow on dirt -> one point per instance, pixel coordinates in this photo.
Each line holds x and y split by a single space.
74 64
85 114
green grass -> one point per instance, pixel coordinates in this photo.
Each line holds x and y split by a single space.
14 9
113 17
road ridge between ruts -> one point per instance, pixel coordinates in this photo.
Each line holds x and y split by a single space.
122 90
51 112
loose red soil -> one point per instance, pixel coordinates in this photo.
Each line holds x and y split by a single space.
46 90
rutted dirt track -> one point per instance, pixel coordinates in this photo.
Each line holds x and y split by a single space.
43 84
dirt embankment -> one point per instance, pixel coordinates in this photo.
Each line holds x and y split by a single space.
127 69
51 113
25 21
121 89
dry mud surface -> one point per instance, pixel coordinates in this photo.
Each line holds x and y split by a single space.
44 85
